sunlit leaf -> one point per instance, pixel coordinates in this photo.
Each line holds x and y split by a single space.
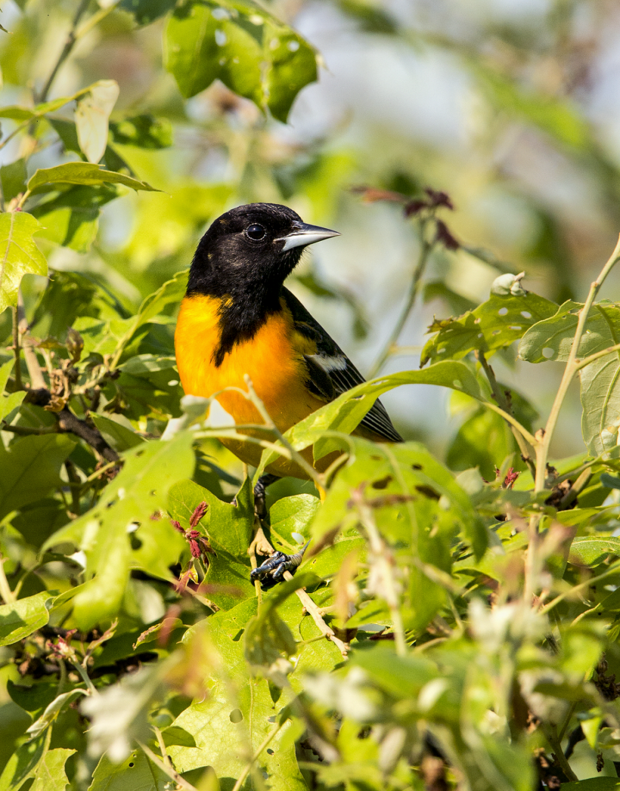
242 45
19 254
496 323
83 173
23 617
138 492
91 118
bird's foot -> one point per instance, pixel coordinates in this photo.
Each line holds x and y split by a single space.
272 571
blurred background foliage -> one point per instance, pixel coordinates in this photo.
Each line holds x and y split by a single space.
511 108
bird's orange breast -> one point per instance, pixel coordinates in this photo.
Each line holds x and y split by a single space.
272 358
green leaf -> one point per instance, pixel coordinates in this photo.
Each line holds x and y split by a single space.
234 720
143 131
593 784
292 515
10 401
84 173
50 774
600 387
496 323
30 468
242 45
23 617
91 118
120 436
229 531
147 11
72 217
19 255
345 413
103 533
13 178
466 450
135 772
53 709
588 551
23 763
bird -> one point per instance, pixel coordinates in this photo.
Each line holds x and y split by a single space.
237 319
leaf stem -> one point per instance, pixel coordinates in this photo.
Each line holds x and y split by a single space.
513 422
295 454
315 613
551 734
603 353
414 287
613 569
502 401
166 768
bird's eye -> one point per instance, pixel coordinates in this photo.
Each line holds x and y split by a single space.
255 232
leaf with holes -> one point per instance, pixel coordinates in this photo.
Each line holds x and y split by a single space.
496 323
239 712
552 339
242 45
19 254
118 533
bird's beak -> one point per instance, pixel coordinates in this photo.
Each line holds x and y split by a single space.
304 235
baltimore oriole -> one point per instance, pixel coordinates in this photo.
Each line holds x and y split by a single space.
237 318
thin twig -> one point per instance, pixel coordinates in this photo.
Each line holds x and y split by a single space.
552 737
311 608
66 50
414 287
603 353
545 436
30 356
295 454
613 569
166 768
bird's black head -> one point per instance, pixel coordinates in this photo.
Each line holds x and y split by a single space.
248 252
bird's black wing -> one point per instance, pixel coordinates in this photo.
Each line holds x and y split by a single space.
331 373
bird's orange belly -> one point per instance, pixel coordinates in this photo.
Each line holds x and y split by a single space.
273 363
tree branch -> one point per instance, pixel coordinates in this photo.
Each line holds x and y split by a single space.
70 423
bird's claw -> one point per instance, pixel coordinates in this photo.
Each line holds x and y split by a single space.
272 571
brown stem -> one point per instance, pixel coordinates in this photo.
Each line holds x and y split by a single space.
68 422
314 611
37 380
